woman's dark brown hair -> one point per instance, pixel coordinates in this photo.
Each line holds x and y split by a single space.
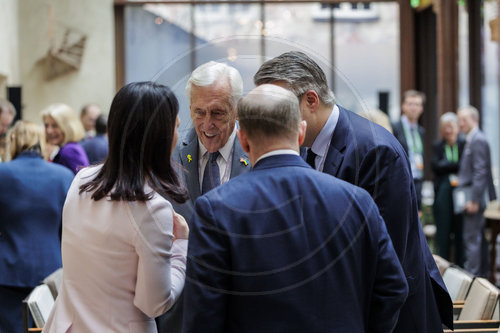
141 127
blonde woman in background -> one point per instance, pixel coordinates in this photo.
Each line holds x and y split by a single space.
64 130
378 117
32 194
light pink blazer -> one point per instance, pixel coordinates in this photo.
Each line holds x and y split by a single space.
121 266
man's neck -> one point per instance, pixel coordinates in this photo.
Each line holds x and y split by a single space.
323 113
411 121
258 150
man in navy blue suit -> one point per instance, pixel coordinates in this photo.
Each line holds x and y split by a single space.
285 248
362 153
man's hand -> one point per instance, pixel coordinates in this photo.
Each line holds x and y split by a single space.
471 207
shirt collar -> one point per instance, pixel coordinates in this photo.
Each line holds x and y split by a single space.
320 144
278 152
225 151
406 122
471 134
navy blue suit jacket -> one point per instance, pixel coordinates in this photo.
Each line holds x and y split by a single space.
365 154
97 148
32 194
285 248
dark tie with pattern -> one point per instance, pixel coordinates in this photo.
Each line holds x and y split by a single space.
211 176
311 158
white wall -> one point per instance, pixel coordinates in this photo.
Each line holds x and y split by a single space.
9 54
94 81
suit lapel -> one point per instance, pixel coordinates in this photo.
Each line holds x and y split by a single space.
238 167
341 134
189 159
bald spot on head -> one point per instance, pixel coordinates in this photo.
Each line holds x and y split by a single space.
269 111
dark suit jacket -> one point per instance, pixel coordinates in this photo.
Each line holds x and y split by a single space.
441 167
186 155
32 194
399 133
189 169
285 248
475 168
96 148
365 154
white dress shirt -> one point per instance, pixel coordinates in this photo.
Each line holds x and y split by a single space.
322 142
224 161
277 152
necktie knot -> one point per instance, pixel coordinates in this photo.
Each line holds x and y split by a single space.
212 157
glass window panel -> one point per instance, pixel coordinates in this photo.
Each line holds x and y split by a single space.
491 102
463 55
298 27
367 56
157 46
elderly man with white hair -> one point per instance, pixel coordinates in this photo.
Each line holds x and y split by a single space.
210 154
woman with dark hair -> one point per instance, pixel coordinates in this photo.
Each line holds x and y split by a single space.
124 247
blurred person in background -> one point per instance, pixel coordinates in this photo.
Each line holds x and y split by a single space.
32 194
124 247
474 177
97 147
88 117
7 115
411 136
378 117
63 132
445 162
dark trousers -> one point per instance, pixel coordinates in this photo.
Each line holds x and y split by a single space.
11 310
448 224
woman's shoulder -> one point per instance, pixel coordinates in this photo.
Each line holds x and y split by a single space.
71 148
88 173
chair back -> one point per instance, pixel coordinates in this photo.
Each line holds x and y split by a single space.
441 263
457 282
481 301
54 282
40 303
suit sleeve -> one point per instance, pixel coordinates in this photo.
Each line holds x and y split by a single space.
384 174
480 174
161 261
390 288
207 282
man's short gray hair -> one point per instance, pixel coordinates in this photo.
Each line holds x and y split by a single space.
6 106
269 111
299 72
448 117
207 74
471 111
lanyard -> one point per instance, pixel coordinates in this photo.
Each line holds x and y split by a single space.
451 156
414 141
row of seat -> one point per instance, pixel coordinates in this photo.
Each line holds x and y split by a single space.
475 300
40 301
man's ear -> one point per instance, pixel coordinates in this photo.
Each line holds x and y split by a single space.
242 136
302 132
310 99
